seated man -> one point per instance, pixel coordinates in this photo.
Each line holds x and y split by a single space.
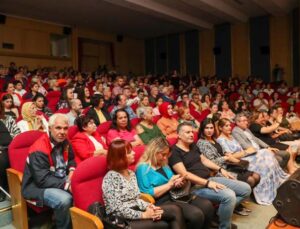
246 139
75 111
188 161
48 171
121 101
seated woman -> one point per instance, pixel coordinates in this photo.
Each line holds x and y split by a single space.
10 89
158 102
41 105
8 130
9 109
185 116
84 96
146 129
121 193
121 129
167 124
66 96
213 151
33 91
144 101
261 161
31 121
259 127
87 141
98 111
225 111
156 178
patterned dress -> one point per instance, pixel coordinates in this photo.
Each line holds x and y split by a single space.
265 164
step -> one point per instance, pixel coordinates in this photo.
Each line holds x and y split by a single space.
5 217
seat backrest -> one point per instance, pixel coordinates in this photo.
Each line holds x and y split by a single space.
134 122
53 98
19 147
72 131
103 128
87 182
63 111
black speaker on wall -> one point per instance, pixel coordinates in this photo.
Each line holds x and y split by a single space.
67 31
265 50
217 50
120 38
287 201
2 19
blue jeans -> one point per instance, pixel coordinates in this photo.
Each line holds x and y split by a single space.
228 198
60 201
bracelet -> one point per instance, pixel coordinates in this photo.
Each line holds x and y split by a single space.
219 170
207 183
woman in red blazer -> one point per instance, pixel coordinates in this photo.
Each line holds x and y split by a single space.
87 142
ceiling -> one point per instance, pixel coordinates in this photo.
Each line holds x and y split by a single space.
145 18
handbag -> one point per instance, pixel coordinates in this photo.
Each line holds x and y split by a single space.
238 167
110 221
182 194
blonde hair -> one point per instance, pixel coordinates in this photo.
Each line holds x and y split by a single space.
155 146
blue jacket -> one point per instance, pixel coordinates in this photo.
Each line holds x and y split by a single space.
148 178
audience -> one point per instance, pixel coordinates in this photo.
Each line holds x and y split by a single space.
87 142
41 105
156 178
8 130
146 129
121 193
121 129
31 120
9 109
187 160
130 96
261 161
167 124
47 181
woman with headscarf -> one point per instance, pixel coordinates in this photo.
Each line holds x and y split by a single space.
31 121
167 124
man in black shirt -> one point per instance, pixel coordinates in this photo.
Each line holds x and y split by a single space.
188 161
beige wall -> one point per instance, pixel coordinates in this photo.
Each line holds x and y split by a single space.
207 58
240 50
281 45
31 41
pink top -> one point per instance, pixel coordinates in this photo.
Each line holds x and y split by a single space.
120 134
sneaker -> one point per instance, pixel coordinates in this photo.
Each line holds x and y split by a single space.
234 226
241 211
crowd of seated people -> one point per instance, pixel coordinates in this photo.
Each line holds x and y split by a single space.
230 122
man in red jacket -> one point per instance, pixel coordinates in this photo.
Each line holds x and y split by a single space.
48 171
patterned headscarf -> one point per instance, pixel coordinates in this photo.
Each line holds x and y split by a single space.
33 122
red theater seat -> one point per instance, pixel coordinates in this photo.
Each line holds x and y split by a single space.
18 151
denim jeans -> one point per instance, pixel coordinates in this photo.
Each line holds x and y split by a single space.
227 198
60 201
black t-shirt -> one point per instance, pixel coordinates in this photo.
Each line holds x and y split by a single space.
191 160
256 128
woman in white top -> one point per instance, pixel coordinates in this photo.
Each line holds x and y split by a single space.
31 121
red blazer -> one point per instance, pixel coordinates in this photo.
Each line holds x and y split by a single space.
83 147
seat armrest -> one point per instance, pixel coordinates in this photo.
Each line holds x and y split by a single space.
147 198
83 219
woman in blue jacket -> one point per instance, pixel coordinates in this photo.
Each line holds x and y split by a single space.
155 177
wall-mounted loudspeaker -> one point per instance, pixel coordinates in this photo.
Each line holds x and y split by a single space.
120 38
265 50
287 201
217 50
67 31
2 19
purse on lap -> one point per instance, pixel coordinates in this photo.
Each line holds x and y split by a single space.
238 167
182 194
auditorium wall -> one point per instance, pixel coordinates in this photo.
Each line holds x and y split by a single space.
31 40
276 47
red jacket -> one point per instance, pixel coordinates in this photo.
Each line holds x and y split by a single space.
83 147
